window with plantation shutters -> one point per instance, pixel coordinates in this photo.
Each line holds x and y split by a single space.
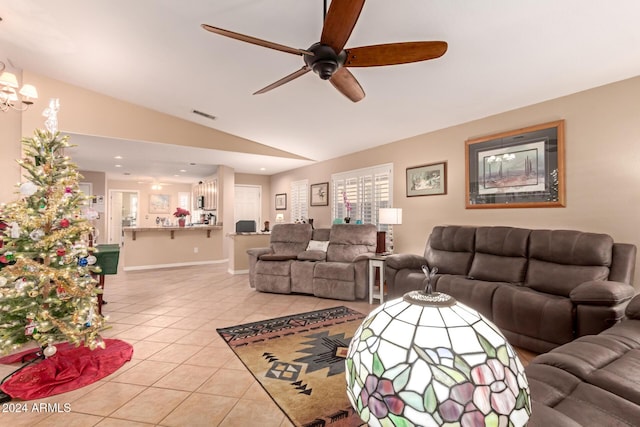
366 191
299 200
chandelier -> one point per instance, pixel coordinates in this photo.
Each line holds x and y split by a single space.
9 92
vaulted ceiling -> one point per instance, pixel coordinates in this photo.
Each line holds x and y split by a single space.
502 54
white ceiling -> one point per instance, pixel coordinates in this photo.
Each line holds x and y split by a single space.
503 54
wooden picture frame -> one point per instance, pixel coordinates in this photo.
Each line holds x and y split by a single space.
522 168
159 203
319 194
427 180
281 202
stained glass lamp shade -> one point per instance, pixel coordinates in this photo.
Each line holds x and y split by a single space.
427 360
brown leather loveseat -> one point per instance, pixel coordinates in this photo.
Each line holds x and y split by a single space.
542 288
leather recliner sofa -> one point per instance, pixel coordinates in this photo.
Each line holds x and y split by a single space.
336 270
542 288
592 381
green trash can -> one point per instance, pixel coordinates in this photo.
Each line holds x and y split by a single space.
107 258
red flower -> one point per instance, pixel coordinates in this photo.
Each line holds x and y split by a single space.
181 213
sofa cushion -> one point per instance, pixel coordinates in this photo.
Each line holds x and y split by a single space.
559 279
290 239
476 294
335 271
274 268
276 257
523 311
450 248
571 247
501 254
312 256
347 241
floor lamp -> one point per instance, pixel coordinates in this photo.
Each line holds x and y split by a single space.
387 216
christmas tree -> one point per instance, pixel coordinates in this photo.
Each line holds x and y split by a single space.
47 292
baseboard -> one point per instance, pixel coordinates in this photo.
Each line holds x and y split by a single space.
177 264
238 271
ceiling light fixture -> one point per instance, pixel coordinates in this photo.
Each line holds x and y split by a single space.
9 96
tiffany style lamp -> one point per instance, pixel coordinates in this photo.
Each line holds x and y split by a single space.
426 359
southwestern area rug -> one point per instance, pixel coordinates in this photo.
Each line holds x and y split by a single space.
299 361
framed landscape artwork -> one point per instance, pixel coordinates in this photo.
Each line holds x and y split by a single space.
281 201
427 180
159 203
320 194
522 168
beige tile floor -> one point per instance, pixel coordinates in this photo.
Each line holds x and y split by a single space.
182 372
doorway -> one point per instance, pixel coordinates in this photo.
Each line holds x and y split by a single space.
248 204
123 212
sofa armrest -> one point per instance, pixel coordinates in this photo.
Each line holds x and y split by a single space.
256 252
633 309
400 261
601 292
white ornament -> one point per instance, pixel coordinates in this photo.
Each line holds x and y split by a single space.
51 113
91 260
50 350
28 188
15 230
36 234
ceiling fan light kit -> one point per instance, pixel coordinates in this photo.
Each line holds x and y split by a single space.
329 59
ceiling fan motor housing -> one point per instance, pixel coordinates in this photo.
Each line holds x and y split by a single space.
324 61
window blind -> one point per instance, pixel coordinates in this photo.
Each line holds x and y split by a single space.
299 200
367 190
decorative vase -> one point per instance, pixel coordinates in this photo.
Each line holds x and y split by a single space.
181 222
347 219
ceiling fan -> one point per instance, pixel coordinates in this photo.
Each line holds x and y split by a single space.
329 59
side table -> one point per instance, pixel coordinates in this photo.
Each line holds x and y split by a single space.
376 262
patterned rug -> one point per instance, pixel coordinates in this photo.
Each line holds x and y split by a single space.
299 361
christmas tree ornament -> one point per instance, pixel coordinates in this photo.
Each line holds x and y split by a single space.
15 230
9 256
20 284
64 223
61 292
90 317
50 350
30 327
3 280
60 251
82 262
91 260
36 234
28 188
33 294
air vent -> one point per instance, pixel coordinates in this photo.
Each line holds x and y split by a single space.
203 114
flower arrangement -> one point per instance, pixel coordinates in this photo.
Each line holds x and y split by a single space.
181 213
347 204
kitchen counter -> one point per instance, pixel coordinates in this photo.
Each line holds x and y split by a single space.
161 247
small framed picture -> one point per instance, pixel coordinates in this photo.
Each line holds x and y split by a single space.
319 194
281 201
159 203
427 180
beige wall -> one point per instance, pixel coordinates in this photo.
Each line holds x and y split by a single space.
602 169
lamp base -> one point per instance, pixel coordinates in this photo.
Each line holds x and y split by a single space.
424 299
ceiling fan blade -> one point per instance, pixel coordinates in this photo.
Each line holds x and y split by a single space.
347 84
394 53
256 41
302 71
339 22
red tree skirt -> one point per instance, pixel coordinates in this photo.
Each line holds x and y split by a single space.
70 368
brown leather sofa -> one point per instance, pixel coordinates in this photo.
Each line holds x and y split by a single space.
292 265
542 288
592 381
